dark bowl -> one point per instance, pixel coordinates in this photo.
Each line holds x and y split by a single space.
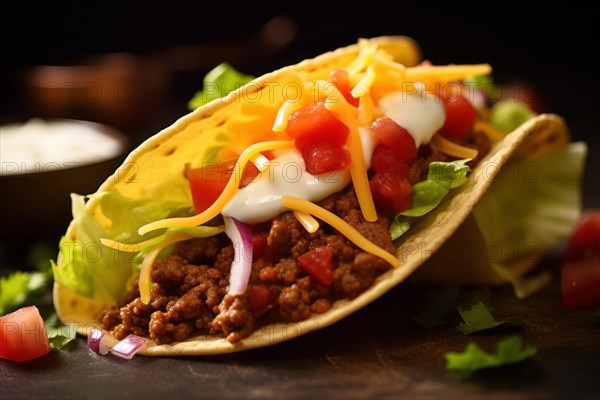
35 203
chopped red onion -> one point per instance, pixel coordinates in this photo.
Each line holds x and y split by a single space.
241 237
97 341
127 347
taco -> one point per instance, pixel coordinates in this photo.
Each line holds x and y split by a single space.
301 197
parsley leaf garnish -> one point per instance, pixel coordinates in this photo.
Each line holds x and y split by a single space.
508 351
479 318
21 289
218 83
59 335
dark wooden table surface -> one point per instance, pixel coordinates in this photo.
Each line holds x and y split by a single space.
377 352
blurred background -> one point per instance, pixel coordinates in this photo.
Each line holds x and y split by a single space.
133 67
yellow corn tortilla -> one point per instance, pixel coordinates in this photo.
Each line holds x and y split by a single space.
164 156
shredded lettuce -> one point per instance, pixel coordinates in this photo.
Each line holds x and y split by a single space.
426 195
92 270
479 318
532 204
399 226
442 177
218 83
509 350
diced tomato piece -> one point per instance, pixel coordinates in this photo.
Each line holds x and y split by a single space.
262 249
585 238
321 157
23 335
339 78
207 183
580 273
319 264
261 298
385 160
391 191
460 115
580 281
316 123
396 138
204 191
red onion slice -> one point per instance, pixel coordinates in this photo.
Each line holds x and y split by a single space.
127 347
97 342
241 237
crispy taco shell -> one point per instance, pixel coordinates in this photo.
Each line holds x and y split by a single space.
189 140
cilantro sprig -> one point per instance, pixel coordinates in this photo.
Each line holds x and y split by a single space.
479 318
508 351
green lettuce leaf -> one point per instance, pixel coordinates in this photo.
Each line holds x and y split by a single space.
508 351
533 204
399 226
442 177
95 271
479 318
218 83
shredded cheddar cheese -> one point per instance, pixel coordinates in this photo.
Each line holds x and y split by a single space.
446 73
307 221
490 131
363 86
229 191
130 247
452 149
358 169
144 280
260 162
290 105
295 203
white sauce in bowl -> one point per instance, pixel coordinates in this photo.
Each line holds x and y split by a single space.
40 145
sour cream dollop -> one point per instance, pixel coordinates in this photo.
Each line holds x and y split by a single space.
421 114
286 176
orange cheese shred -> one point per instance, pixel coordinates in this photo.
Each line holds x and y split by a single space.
229 191
296 203
452 149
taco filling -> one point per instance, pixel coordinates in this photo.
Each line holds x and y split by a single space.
290 219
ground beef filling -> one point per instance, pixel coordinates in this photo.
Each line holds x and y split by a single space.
189 295
190 286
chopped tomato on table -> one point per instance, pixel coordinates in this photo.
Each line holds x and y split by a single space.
23 335
580 273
